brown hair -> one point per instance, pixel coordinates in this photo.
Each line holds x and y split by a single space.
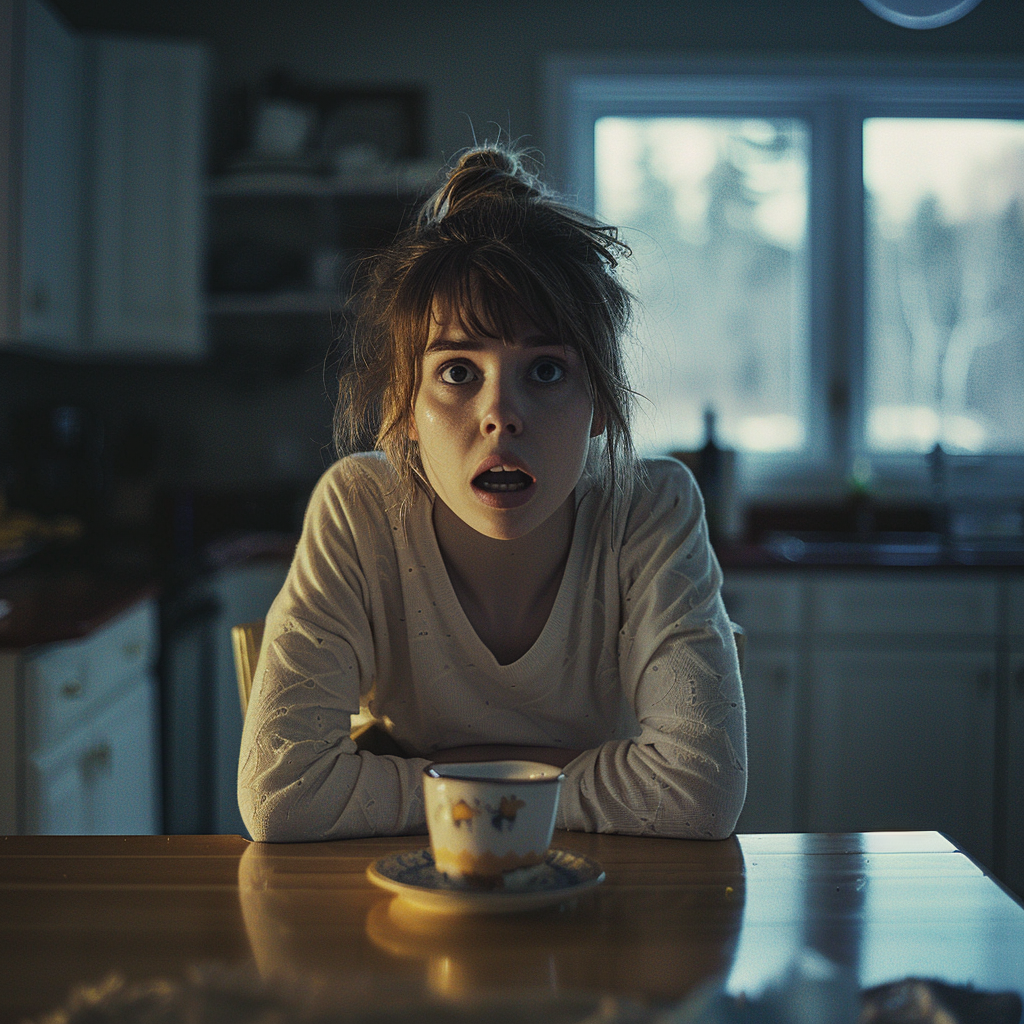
491 247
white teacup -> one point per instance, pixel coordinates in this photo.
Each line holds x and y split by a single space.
489 818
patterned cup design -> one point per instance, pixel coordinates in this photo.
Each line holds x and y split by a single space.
489 818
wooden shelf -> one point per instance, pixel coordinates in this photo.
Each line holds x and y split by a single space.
406 180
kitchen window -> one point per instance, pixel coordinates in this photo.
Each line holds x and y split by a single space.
829 256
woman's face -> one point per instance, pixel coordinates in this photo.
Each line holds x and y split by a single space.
503 426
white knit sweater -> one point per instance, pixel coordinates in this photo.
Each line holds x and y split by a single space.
636 666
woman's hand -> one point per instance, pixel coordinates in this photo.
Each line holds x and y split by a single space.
506 752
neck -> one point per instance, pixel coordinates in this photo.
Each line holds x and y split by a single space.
506 587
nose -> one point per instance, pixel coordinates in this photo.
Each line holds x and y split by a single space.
502 412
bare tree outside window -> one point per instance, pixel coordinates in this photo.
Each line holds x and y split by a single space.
944 224
715 210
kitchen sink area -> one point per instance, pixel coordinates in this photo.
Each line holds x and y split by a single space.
893 548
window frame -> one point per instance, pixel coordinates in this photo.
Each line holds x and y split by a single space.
833 97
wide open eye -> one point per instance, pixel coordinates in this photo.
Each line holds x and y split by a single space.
547 371
458 373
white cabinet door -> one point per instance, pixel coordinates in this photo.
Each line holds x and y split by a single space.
770 680
881 604
1013 795
51 193
766 603
903 739
103 779
146 266
66 683
770 607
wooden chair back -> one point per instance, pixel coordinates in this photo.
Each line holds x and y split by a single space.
245 642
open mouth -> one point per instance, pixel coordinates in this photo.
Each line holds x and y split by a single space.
501 478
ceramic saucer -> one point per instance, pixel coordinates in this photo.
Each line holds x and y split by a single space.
414 878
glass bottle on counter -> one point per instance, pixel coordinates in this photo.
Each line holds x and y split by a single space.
709 474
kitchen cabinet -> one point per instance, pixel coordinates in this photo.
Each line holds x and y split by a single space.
282 244
771 612
1011 793
50 300
886 699
146 240
771 677
101 779
102 158
83 755
902 711
203 722
903 737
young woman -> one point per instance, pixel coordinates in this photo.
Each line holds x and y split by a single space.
500 579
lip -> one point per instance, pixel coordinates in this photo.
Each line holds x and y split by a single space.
499 459
503 499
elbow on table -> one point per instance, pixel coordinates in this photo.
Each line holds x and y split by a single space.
283 824
711 814
296 800
719 831
690 826
281 815
322 805
268 821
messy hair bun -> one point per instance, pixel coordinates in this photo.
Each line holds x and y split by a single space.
492 247
485 174
496 184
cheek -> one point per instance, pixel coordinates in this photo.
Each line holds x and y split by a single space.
432 427
575 418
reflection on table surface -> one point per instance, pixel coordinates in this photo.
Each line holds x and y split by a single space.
639 933
670 915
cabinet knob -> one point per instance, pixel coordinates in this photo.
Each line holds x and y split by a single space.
96 761
39 298
132 650
71 690
984 681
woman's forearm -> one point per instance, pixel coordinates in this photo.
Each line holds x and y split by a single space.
506 752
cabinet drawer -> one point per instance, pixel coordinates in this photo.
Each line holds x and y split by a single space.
66 683
102 778
893 605
765 603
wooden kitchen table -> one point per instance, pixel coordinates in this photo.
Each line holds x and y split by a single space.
671 914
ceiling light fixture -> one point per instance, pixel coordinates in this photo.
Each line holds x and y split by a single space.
920 13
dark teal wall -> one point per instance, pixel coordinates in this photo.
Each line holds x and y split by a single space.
481 62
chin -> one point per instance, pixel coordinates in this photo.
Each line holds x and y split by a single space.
514 529
499 532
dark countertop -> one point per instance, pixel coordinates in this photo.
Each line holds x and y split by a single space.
883 551
51 606
56 602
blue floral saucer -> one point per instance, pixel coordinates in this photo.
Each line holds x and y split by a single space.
414 878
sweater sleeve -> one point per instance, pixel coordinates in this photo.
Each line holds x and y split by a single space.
684 775
300 776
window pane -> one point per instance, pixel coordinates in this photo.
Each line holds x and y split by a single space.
715 210
944 221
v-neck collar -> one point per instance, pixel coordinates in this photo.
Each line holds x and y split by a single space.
451 607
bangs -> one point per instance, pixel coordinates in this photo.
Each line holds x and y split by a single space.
487 292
